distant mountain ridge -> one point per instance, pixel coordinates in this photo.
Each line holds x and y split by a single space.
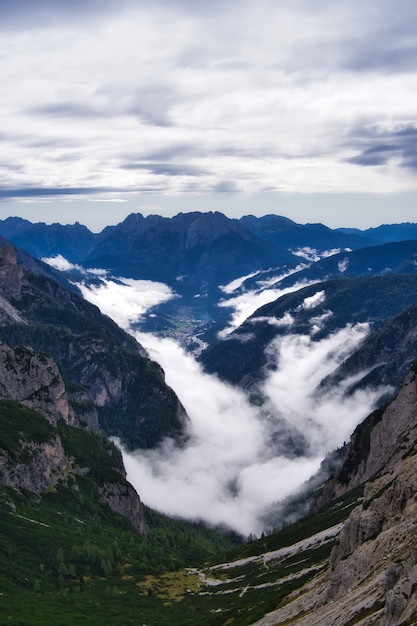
191 251
195 253
44 240
385 233
285 232
198 247
210 246
399 257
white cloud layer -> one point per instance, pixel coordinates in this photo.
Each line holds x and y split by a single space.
126 300
228 472
61 263
310 254
313 301
249 301
179 98
291 389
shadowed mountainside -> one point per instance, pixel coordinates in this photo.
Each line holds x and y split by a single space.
94 355
317 311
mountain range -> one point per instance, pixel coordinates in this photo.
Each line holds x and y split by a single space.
74 535
196 253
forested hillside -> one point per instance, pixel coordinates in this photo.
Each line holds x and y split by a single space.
125 387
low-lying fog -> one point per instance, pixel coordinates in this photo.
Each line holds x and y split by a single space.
228 472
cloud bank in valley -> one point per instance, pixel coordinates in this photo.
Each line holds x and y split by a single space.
247 301
126 300
327 419
229 472
62 264
225 474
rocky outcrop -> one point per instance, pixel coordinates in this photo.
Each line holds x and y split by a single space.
372 572
44 466
12 275
378 442
34 455
384 358
123 499
83 406
33 380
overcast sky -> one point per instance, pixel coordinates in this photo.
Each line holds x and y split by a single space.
305 109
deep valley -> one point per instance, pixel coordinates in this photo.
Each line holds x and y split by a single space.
206 421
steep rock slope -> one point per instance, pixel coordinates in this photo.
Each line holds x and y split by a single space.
317 311
372 572
385 357
34 381
94 355
38 430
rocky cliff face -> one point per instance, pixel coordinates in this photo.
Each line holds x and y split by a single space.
34 380
377 443
37 419
123 499
11 273
385 357
372 573
42 467
122 387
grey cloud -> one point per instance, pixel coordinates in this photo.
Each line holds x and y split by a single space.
387 41
238 89
188 149
23 11
376 155
389 59
151 107
152 110
167 153
29 192
49 142
30 14
355 37
378 147
12 167
39 192
168 169
226 186
151 102
67 109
